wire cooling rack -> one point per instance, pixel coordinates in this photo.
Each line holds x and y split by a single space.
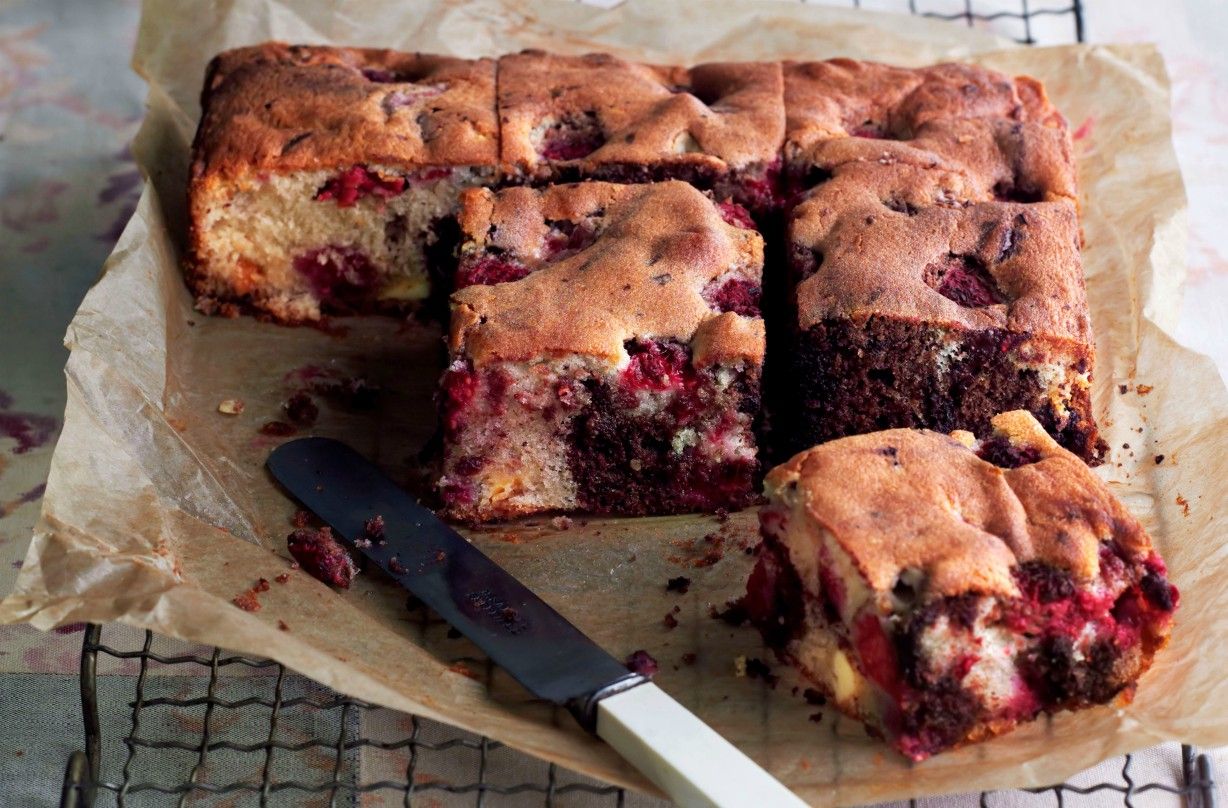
189 726
230 730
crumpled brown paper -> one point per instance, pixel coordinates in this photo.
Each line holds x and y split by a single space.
158 511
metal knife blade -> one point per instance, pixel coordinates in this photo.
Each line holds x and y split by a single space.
519 631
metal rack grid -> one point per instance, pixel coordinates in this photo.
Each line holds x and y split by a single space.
321 729
311 728
1024 17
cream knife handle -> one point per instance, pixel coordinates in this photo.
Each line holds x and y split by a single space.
684 756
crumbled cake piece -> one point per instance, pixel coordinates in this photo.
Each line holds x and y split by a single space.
944 590
605 353
323 179
1000 134
717 126
321 555
643 663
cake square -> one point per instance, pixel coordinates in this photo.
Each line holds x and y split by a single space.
908 313
606 347
934 272
1001 133
324 179
718 126
944 590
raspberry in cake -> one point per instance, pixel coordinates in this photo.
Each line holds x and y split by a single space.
718 126
914 304
324 179
605 346
1000 133
944 590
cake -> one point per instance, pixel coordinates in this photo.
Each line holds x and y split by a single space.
605 351
934 273
323 179
717 126
1001 134
943 589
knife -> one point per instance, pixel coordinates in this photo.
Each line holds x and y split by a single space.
519 631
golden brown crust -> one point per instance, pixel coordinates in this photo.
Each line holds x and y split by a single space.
720 116
837 97
643 276
876 229
1002 133
279 108
914 499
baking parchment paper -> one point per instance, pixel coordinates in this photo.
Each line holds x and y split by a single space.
158 512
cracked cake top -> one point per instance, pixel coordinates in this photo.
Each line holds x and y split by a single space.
843 97
1001 132
280 108
600 109
904 500
874 241
651 266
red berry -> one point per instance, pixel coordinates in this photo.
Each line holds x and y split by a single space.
488 270
357 182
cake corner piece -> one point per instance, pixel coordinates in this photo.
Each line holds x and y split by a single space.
322 178
944 590
934 253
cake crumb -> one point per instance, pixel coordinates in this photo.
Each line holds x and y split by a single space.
561 523
739 666
301 409
734 613
642 662
277 429
320 554
462 669
301 519
758 669
281 625
249 601
281 579
1143 389
1159 459
373 528
231 406
680 585
670 621
1185 505
1123 389
814 697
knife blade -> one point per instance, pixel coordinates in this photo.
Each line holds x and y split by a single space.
519 631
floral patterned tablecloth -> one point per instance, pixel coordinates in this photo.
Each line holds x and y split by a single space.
69 105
